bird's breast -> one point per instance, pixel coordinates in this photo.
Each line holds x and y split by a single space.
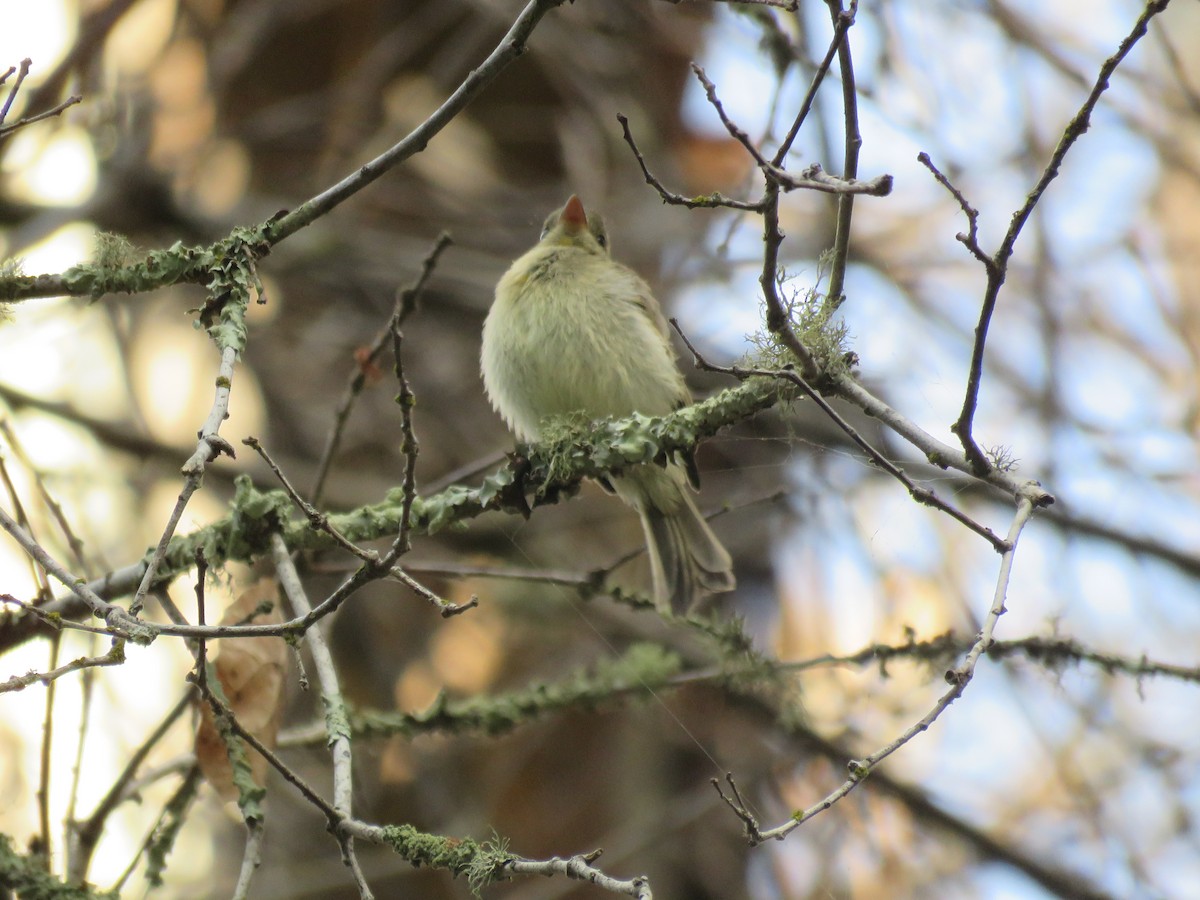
564 337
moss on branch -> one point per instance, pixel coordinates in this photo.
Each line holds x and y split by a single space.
542 474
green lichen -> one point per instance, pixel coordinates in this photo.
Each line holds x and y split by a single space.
27 877
456 855
641 667
114 251
812 318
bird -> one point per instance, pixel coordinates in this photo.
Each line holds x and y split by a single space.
572 331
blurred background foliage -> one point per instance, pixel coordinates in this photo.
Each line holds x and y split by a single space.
1045 779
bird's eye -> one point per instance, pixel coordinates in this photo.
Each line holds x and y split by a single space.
599 232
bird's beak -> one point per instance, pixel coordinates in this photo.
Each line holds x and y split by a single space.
573 218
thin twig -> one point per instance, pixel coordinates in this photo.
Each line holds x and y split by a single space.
580 868
114 657
814 178
209 446
87 834
377 566
844 18
920 494
317 519
777 318
22 74
44 754
251 857
53 506
409 445
291 777
406 302
735 131
970 240
997 272
936 452
841 26
87 696
37 574
714 200
965 671
510 47
959 678
118 621
57 109
336 718
52 620
6 130
785 5
169 818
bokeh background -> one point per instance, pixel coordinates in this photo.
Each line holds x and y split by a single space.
199 115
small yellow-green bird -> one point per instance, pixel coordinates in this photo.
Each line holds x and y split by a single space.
573 331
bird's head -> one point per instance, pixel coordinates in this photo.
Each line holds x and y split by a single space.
572 227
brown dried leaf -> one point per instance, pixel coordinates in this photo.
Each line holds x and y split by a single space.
251 672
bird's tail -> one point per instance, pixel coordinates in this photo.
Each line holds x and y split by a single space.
686 559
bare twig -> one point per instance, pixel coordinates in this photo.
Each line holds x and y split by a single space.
53 506
970 240
963 674
958 677
22 73
580 868
44 756
786 5
278 228
998 270
406 302
209 446
87 834
841 26
52 619
88 694
409 445
935 451
251 857
844 18
708 201
118 621
922 495
37 574
57 109
511 46
376 566
113 657
814 178
317 519
170 818
777 318
336 719
291 777
735 131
